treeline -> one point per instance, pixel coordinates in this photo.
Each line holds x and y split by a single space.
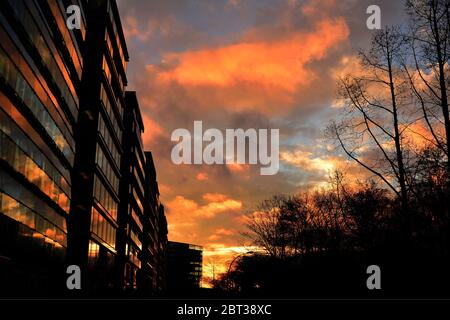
395 124
321 243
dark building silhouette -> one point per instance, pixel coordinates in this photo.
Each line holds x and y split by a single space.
184 267
131 209
142 232
73 188
95 195
41 67
155 230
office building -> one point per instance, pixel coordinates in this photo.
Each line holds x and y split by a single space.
131 209
96 175
156 230
41 66
184 267
142 226
65 158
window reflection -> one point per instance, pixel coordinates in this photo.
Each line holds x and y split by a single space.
102 228
35 36
28 97
107 138
104 165
138 179
21 213
105 199
93 253
133 255
138 201
23 164
135 239
71 45
104 97
136 219
15 129
16 190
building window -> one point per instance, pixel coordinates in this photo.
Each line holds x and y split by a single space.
23 164
102 228
23 214
138 201
105 198
94 252
104 165
107 138
28 97
136 219
110 112
11 132
38 41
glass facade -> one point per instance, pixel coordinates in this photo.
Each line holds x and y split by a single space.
104 198
32 212
144 236
103 229
108 140
108 148
23 12
39 102
28 99
132 192
99 146
110 114
25 157
107 169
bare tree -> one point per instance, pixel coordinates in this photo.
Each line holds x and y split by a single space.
371 132
267 228
284 226
430 46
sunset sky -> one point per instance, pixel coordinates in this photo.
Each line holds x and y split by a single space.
241 64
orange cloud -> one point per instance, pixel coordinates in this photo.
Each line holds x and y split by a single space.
224 232
220 233
130 27
262 74
213 208
418 135
236 167
202 176
164 189
151 130
320 166
214 197
308 161
218 204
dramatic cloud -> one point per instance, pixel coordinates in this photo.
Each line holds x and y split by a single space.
184 213
263 76
240 64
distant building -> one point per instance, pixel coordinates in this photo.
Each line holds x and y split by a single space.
184 266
